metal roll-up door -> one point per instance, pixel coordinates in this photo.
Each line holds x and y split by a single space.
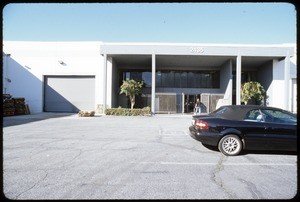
69 93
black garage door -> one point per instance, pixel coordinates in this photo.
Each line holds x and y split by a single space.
69 93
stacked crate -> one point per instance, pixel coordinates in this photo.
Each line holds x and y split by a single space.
14 106
8 105
19 106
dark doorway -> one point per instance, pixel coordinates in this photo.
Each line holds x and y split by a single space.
189 102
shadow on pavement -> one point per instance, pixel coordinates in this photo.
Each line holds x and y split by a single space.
273 152
23 119
245 152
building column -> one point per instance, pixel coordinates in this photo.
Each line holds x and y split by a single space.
238 79
287 82
230 84
104 93
153 85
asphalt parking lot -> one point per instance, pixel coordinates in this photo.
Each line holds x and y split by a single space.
63 156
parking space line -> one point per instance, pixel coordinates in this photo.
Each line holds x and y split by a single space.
177 163
225 164
261 164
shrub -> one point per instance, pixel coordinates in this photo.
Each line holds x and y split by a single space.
252 91
86 113
128 112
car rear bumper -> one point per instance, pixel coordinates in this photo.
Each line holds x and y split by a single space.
209 138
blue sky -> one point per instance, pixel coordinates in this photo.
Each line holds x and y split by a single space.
245 23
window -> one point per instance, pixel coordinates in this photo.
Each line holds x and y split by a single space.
176 79
147 78
191 80
167 79
197 79
253 115
278 116
158 76
136 75
215 76
126 76
270 116
206 81
183 80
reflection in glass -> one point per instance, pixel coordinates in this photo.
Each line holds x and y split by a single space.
183 80
146 77
158 79
176 79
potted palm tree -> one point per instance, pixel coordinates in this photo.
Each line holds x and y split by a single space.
252 93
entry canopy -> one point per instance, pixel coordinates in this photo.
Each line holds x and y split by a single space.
187 60
194 55
197 49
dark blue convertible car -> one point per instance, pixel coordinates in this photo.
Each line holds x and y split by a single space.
233 128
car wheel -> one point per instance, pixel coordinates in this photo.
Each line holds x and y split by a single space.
230 145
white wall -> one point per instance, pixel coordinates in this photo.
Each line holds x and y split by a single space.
276 92
265 78
277 87
293 83
30 61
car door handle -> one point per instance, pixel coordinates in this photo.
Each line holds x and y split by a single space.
268 128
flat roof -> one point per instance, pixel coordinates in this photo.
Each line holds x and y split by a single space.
274 50
184 49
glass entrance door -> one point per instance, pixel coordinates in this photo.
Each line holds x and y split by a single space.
189 102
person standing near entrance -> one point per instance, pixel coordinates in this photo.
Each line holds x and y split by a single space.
197 107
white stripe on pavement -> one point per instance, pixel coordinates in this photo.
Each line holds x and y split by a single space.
225 164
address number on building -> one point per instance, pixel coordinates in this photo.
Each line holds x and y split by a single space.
196 50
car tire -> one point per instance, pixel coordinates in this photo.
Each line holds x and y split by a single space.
230 145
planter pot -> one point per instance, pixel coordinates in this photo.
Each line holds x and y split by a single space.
252 101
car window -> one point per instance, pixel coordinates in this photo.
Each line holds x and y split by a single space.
278 116
254 115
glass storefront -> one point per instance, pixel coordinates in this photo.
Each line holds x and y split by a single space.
169 102
176 79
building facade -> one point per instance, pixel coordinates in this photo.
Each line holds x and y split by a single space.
73 76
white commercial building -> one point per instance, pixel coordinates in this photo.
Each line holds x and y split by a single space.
73 76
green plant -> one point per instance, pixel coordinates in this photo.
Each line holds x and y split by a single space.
131 88
252 90
128 112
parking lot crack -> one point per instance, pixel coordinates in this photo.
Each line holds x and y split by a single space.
218 180
253 190
75 157
35 184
